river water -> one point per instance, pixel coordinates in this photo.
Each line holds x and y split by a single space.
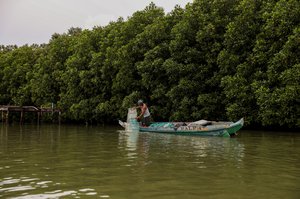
50 161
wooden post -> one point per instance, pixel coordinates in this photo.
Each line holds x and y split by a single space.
2 117
38 120
59 117
21 118
7 116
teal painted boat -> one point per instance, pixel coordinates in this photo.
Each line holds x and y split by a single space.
201 127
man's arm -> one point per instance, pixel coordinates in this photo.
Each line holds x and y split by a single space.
143 111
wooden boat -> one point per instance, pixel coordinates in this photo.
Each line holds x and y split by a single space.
202 127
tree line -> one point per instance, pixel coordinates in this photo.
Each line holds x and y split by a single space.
219 60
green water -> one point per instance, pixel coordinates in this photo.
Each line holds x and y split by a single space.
95 162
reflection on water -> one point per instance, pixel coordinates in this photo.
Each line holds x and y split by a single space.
30 156
199 149
94 162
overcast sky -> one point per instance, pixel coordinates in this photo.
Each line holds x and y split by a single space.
34 21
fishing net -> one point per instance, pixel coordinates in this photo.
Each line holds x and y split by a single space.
132 124
131 115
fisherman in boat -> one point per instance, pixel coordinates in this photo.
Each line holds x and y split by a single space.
145 116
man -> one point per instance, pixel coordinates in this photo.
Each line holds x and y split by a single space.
145 114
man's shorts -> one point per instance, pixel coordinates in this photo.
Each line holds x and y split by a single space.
146 121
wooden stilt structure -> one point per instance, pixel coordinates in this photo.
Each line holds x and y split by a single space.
6 109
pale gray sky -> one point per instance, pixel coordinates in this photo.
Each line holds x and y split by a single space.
34 21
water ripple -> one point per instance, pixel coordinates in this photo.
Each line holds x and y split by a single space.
47 195
16 188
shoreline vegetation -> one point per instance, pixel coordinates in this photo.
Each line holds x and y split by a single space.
214 60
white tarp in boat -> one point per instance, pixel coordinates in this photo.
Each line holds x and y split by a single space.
199 122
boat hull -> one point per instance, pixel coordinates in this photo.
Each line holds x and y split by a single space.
218 133
225 130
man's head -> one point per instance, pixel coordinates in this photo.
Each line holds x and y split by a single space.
140 102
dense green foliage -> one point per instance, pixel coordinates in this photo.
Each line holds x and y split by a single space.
219 59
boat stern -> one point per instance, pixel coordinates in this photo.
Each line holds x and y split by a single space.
233 128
